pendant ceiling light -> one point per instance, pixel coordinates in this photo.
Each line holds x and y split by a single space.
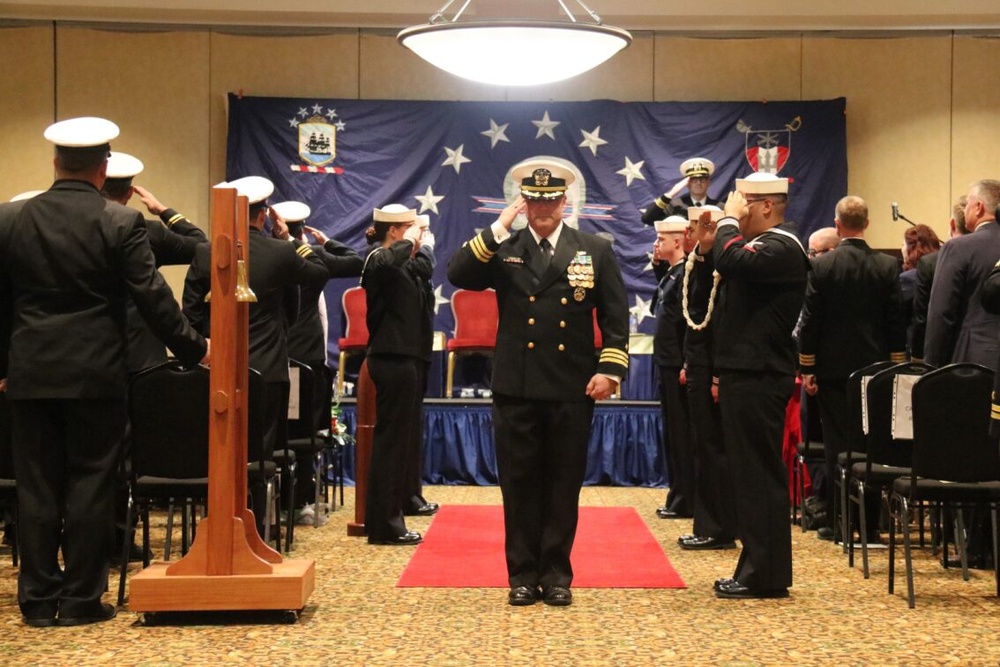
514 52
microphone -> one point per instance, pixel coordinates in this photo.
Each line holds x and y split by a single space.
895 211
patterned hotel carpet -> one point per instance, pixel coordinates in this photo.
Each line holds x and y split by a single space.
358 617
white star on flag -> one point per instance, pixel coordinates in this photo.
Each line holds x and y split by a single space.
331 114
317 109
545 126
592 140
455 158
438 299
631 171
640 309
429 201
303 112
340 125
496 133
293 122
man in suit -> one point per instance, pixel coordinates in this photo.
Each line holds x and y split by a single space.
669 251
853 317
714 525
69 261
926 266
172 239
763 267
958 327
307 335
697 173
277 265
549 279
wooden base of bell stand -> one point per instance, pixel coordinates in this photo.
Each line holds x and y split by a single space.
288 586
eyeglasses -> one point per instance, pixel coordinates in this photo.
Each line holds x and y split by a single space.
754 201
812 252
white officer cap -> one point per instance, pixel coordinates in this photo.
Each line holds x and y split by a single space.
123 165
84 133
292 211
395 214
542 180
697 167
26 195
673 223
694 213
762 183
255 188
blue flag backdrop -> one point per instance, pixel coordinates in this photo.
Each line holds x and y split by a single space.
452 160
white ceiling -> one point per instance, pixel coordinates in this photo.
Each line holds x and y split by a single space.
706 15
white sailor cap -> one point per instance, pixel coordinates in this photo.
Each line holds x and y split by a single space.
292 211
395 214
697 167
673 223
542 180
123 165
694 212
26 195
82 134
255 188
762 183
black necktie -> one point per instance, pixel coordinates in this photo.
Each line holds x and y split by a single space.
545 252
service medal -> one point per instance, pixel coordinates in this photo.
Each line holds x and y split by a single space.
579 293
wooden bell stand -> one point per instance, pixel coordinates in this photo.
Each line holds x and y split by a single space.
229 568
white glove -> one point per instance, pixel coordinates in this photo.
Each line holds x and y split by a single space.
427 238
413 233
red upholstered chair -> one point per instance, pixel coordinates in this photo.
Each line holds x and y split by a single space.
476 319
355 303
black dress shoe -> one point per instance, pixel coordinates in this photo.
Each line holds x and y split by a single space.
424 510
665 513
685 538
825 533
39 621
106 613
707 544
723 582
408 539
734 590
557 596
522 596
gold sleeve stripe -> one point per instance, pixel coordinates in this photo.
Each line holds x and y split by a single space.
479 249
807 359
614 356
177 217
995 411
897 357
660 203
304 250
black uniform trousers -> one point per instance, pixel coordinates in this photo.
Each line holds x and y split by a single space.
753 418
677 446
834 415
399 381
275 436
305 483
66 454
714 511
413 494
541 461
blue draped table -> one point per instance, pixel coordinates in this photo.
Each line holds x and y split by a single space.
624 447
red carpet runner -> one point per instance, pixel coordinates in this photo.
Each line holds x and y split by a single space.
463 548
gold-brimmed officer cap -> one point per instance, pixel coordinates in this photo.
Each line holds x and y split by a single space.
292 211
86 133
541 180
255 188
123 165
697 167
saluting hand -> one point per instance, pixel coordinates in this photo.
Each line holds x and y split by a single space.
703 232
151 203
280 230
674 191
320 237
510 213
736 206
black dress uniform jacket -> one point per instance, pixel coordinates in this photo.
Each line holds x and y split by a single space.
400 300
958 328
668 342
659 209
276 269
72 291
173 242
853 313
545 338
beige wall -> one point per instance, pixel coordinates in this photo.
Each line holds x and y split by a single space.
922 120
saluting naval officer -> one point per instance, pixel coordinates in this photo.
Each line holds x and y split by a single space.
69 260
697 173
763 268
549 279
